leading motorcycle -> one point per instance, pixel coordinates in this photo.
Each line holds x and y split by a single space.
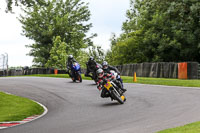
114 90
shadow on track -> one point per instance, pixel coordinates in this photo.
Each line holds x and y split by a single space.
110 104
74 82
92 84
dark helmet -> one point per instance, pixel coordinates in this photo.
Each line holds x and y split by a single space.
70 56
105 64
100 73
91 58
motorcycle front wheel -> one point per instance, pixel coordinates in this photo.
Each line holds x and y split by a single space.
79 77
120 99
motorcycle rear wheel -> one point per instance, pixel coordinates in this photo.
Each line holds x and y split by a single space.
79 77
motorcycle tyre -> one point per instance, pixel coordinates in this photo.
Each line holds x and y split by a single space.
73 79
118 97
79 77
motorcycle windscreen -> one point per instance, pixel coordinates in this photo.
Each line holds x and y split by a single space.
76 67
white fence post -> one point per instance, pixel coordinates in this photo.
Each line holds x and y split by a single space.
4 63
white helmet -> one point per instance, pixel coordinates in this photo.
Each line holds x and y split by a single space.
70 56
100 73
105 64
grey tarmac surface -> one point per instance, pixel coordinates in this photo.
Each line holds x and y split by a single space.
78 108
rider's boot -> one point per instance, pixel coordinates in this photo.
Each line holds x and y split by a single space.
121 85
123 89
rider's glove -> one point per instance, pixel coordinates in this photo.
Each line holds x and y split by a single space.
112 77
99 88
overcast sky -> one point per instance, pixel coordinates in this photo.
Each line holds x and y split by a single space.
107 17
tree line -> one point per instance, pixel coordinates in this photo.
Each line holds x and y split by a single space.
158 31
154 31
58 28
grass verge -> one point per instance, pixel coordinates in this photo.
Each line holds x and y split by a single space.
189 128
15 108
163 81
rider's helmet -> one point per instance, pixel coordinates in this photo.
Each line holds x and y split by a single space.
91 58
100 73
70 57
105 65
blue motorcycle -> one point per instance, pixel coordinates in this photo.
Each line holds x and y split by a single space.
75 72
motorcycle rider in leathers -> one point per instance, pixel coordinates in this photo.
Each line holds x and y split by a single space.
91 67
69 63
101 75
107 68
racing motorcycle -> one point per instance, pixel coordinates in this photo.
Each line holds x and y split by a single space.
75 72
114 90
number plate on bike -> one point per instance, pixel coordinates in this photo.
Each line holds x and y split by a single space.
107 85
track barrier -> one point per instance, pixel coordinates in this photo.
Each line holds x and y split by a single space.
55 71
161 70
182 70
155 70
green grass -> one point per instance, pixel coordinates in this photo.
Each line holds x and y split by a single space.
163 81
189 128
15 108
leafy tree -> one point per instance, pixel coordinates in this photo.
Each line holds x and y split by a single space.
57 54
98 53
82 58
64 18
26 3
168 31
125 51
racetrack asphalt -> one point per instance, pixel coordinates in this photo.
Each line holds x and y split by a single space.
78 107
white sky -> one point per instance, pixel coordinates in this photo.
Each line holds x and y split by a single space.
107 17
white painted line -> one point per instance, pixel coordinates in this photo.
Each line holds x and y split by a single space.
8 122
